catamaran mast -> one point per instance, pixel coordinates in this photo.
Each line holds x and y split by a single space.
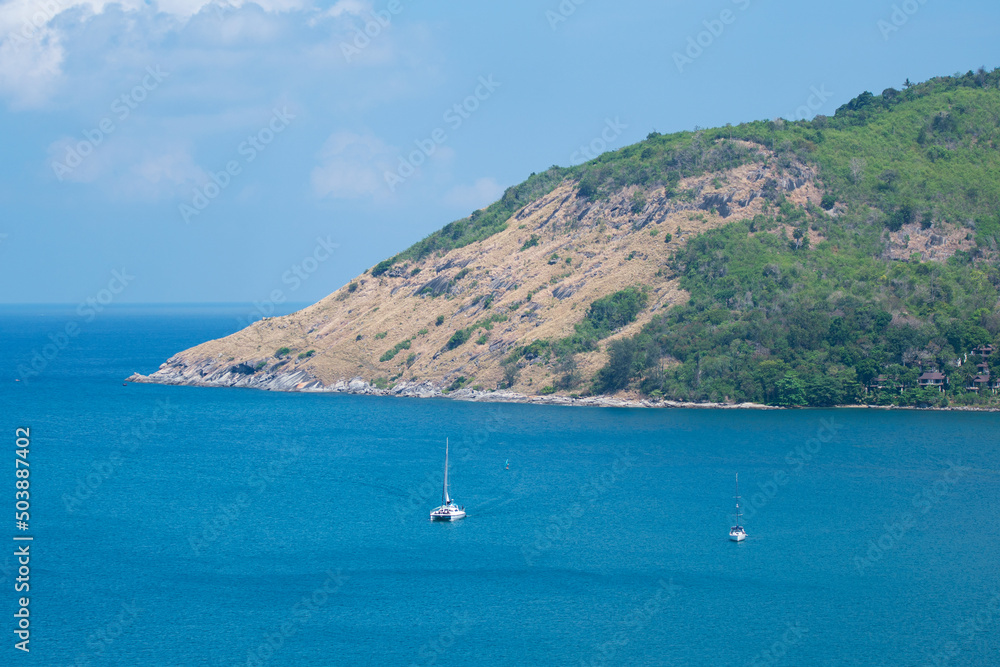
444 496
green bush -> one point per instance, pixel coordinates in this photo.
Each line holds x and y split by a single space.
439 321
281 351
463 335
904 215
457 339
638 202
380 336
589 187
457 384
614 311
306 355
531 242
389 354
382 267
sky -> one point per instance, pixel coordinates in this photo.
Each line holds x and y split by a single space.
233 151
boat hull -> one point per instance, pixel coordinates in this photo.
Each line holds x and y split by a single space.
737 537
447 514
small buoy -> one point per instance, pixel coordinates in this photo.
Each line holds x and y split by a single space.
17 379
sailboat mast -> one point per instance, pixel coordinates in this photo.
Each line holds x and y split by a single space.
737 499
444 495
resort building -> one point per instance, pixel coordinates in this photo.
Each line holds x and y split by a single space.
883 382
933 379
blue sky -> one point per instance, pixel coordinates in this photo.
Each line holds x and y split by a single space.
216 151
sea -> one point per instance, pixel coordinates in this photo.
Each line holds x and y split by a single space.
214 526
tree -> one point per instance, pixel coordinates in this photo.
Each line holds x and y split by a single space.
768 373
867 369
823 391
570 374
904 215
510 373
791 391
617 373
839 330
857 168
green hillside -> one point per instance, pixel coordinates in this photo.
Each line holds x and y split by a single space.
775 319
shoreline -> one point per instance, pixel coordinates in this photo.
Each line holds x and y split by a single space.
359 387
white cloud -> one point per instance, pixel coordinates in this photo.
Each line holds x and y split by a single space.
56 53
224 60
30 69
127 169
352 165
354 7
483 192
34 34
165 173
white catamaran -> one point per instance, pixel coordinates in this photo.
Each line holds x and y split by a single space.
736 533
449 511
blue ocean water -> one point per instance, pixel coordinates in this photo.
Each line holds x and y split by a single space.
193 526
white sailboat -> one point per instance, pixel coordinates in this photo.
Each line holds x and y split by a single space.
736 533
448 511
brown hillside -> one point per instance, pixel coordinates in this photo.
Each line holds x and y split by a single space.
582 251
